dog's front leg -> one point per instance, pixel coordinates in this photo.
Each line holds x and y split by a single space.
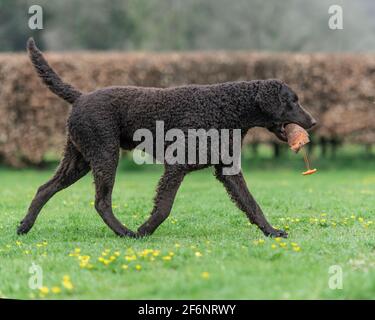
165 194
240 194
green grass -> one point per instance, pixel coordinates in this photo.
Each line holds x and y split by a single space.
203 220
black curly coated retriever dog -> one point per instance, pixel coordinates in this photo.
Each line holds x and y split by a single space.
103 121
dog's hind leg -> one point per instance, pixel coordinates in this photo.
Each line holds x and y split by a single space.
166 192
240 194
72 167
104 167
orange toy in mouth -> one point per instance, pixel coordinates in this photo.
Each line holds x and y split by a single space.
297 138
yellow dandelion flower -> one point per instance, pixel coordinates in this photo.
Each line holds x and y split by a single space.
18 243
294 244
44 290
171 253
131 258
198 254
167 258
67 283
282 244
278 239
360 219
296 249
66 278
155 253
273 246
138 267
55 290
117 253
261 241
205 275
125 267
144 253
77 250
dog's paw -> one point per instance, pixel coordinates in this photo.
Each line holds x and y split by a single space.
274 233
23 228
141 234
131 234
126 233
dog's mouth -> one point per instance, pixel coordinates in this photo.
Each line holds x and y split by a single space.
279 130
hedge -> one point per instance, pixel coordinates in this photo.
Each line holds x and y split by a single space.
339 90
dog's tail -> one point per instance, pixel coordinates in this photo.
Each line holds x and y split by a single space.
49 77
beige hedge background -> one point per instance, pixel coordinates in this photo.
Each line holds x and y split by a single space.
339 90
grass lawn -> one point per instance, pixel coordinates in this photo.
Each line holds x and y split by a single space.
206 249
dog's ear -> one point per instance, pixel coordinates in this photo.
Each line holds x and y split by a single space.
268 97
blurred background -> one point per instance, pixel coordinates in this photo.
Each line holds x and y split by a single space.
173 42
160 25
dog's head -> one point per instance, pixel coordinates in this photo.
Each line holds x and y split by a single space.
279 106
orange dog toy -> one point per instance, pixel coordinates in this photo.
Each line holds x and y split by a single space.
297 138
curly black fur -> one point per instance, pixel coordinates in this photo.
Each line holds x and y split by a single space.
103 121
49 77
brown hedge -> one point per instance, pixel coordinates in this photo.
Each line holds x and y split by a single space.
339 89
